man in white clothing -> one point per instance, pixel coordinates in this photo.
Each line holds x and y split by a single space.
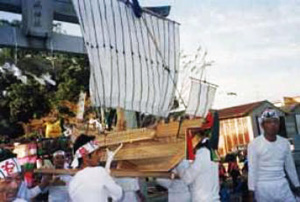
202 175
131 189
58 189
28 194
178 191
270 159
93 183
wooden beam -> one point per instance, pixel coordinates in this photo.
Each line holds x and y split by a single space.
114 173
56 171
127 173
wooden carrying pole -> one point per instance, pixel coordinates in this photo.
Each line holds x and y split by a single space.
114 173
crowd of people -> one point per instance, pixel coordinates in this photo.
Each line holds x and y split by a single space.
233 180
268 173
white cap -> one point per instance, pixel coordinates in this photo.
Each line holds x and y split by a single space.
59 152
269 114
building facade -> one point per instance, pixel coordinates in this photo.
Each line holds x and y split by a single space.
239 125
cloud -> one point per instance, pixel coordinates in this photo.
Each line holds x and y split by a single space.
255 44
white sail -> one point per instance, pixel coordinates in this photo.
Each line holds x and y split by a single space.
133 61
201 98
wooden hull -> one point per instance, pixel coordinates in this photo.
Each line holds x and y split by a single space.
149 150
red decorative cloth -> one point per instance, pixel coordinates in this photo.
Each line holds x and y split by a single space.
189 145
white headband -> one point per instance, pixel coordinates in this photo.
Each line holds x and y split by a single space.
8 167
59 152
269 114
83 150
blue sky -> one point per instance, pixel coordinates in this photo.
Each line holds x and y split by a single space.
255 45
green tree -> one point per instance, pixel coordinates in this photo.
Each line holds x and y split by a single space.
72 76
21 102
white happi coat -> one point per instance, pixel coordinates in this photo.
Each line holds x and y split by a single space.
93 184
19 200
27 194
60 193
268 162
203 177
178 191
130 186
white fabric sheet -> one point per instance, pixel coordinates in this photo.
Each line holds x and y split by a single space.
134 61
200 99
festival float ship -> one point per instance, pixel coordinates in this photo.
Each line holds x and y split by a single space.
134 61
